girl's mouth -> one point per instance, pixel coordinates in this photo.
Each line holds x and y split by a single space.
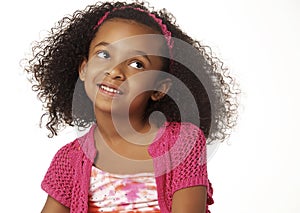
109 89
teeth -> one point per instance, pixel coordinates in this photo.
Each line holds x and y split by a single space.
108 89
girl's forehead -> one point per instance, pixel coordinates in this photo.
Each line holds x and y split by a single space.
127 33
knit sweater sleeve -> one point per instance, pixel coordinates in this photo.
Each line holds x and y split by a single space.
58 180
192 169
179 157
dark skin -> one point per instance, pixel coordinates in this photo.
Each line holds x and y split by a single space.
192 199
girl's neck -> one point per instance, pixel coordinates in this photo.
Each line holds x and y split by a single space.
119 150
118 128
126 142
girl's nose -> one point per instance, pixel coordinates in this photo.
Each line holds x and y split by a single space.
116 73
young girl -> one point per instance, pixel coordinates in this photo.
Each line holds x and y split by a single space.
111 68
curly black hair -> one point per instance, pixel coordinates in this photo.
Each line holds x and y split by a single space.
53 70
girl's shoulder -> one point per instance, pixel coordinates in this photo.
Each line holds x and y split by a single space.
67 152
171 127
80 147
177 130
177 136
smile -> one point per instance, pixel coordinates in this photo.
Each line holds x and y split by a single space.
108 89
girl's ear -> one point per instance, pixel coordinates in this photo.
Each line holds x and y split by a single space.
82 70
162 88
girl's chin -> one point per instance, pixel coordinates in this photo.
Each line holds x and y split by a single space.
109 107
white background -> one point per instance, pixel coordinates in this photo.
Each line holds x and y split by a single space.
257 170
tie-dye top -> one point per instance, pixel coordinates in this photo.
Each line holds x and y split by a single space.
134 193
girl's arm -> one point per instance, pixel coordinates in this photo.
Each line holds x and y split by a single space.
192 200
53 206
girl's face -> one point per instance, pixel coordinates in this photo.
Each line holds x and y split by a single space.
120 74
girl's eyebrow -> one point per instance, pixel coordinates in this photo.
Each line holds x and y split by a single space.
102 43
135 52
142 54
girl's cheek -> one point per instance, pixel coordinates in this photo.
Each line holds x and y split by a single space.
91 93
100 66
95 75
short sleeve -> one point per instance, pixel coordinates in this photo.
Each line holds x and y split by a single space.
58 179
179 159
192 170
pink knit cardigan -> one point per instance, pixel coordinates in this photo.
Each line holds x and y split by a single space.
179 158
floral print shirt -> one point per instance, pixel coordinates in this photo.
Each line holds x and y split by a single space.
133 193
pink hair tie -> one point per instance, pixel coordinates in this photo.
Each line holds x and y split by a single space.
163 27
101 20
167 34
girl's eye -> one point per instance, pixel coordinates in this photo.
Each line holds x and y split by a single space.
103 54
136 65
